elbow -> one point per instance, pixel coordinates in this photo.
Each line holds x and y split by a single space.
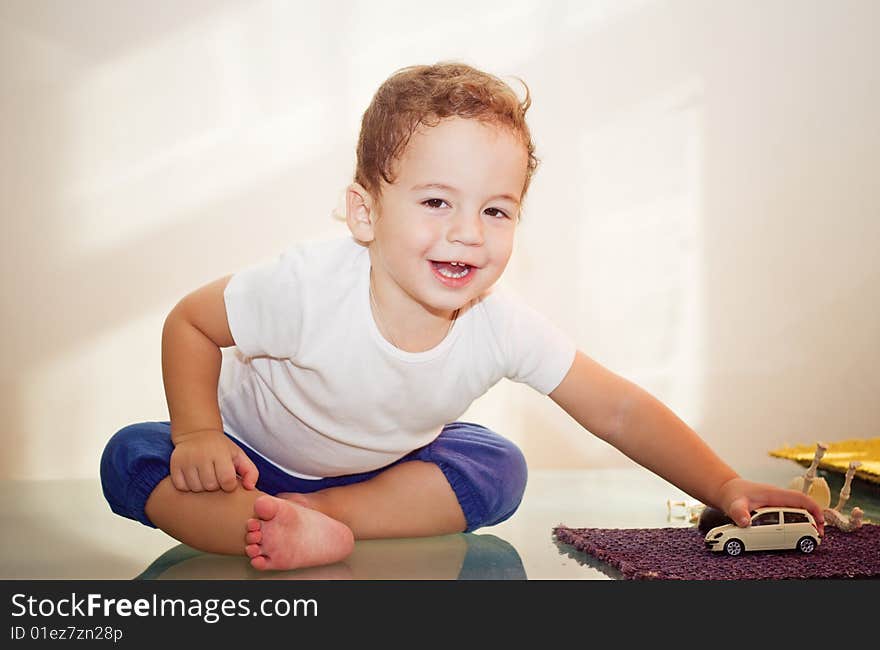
179 326
174 318
170 328
614 430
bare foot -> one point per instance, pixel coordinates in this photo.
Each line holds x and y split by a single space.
286 535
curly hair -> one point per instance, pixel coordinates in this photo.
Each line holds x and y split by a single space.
425 95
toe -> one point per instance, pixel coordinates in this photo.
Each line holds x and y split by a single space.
253 550
266 507
260 562
253 524
254 537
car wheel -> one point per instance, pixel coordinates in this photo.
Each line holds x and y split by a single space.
734 547
806 545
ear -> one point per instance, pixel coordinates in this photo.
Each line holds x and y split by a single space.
359 212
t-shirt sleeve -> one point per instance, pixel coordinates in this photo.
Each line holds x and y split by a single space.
264 309
536 351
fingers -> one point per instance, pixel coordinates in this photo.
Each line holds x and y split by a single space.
795 499
211 466
178 480
193 484
820 524
739 512
809 504
208 477
226 475
196 479
217 475
246 469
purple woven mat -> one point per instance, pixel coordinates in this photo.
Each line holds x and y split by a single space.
680 554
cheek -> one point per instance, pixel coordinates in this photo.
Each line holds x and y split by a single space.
424 238
412 248
503 242
503 259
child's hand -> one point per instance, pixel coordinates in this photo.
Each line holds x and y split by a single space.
208 460
739 497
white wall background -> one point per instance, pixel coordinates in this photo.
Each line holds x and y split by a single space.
706 219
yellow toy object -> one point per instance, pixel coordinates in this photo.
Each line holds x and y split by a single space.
809 484
839 455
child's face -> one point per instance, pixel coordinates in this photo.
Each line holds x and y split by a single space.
477 172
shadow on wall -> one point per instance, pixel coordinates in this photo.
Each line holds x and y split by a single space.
62 297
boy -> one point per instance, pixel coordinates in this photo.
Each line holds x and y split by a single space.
327 418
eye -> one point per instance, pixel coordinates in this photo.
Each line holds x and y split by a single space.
500 214
432 203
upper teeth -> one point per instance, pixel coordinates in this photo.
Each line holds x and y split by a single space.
450 274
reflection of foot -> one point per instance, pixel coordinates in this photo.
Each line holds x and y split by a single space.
202 566
186 563
408 558
460 556
170 558
337 571
465 556
285 535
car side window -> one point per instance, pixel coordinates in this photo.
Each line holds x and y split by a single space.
766 519
795 518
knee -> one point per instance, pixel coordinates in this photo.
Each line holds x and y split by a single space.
495 481
118 455
512 474
130 452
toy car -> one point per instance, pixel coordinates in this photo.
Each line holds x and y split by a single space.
771 528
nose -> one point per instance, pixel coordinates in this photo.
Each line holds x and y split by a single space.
466 228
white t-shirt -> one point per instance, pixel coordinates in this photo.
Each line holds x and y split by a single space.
314 387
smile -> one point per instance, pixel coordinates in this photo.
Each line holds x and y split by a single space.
453 274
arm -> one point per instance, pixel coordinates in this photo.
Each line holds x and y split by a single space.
641 427
194 332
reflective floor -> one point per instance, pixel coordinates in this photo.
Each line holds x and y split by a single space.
64 530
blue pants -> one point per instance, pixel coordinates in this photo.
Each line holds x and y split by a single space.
487 473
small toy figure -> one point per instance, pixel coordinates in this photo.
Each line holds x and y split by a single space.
835 516
811 485
817 488
685 509
770 529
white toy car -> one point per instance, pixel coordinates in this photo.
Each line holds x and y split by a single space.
771 528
